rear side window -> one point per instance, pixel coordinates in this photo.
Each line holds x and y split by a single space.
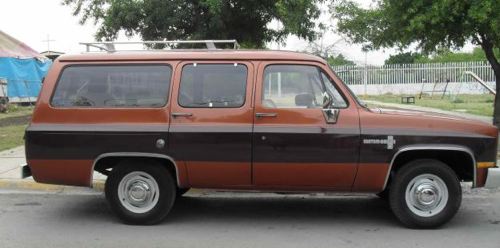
113 86
213 86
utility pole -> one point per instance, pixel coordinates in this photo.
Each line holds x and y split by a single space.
48 40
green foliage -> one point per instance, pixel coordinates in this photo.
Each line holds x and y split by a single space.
448 56
440 56
404 58
339 60
430 25
244 20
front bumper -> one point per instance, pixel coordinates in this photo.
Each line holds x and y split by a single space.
493 179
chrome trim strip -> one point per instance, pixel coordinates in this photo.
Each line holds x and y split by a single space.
133 154
97 128
432 147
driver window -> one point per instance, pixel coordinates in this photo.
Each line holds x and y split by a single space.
292 86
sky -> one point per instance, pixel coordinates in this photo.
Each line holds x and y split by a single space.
31 21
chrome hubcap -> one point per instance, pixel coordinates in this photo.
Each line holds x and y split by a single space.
426 195
138 192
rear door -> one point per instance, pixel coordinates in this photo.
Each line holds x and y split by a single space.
294 146
211 124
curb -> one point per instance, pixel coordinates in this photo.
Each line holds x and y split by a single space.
27 184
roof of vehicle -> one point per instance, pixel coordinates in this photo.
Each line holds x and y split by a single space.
193 55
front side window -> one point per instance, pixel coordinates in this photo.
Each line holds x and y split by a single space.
113 86
297 86
213 86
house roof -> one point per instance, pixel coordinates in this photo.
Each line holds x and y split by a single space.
11 47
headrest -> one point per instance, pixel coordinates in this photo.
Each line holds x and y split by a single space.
304 99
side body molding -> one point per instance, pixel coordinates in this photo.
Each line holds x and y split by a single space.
433 147
135 154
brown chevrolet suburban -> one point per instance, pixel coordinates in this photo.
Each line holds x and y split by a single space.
159 123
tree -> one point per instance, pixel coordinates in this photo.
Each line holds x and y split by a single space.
403 58
428 25
339 60
244 20
448 56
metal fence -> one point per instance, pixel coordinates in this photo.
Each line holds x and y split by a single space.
412 78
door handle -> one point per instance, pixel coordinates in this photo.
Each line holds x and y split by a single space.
260 115
182 115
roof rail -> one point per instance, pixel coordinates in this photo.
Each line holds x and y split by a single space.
110 46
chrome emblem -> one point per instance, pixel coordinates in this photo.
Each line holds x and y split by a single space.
390 142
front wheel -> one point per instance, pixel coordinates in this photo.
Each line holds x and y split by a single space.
140 193
425 194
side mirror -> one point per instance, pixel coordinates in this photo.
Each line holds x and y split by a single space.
331 115
327 100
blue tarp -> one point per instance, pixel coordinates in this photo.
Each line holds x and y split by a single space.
24 76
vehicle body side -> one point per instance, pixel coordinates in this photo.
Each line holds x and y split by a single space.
232 149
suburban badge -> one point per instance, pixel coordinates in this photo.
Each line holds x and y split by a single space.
390 141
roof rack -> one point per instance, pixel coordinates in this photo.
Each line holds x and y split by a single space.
110 46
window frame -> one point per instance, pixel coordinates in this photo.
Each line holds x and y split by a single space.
217 63
319 69
168 93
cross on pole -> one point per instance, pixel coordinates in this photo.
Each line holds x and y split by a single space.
48 40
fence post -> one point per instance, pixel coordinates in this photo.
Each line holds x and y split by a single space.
365 79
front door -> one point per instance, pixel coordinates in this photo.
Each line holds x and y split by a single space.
294 146
211 125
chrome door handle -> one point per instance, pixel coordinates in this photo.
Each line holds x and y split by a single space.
260 115
181 114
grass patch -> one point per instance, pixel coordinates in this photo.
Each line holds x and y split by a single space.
472 104
11 136
12 126
14 110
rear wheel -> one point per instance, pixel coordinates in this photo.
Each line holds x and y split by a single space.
140 193
425 194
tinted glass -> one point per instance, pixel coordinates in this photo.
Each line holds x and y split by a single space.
213 86
113 86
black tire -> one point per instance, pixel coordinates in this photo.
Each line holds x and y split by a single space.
182 191
166 192
423 167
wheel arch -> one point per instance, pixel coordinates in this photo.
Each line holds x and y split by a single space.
169 162
413 152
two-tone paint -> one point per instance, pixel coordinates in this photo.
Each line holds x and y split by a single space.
251 147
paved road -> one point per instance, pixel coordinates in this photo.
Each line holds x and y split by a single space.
241 220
